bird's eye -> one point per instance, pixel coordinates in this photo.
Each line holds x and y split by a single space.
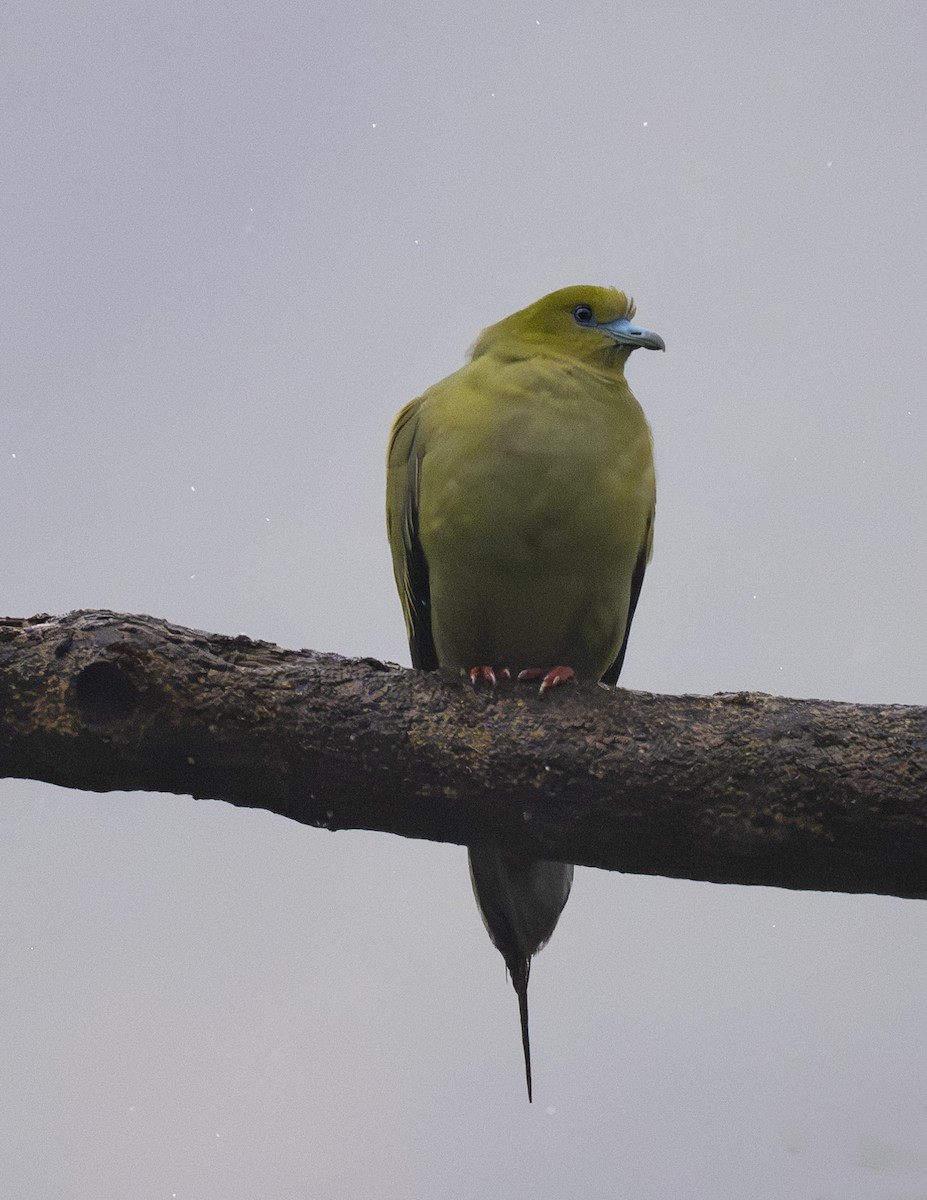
582 314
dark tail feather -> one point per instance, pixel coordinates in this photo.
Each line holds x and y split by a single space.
520 983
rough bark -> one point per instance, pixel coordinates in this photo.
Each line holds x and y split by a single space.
744 788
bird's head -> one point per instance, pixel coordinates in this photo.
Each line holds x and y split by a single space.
593 324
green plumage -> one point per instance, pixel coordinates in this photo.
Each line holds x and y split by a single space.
520 506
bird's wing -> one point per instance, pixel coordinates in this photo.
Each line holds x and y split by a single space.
637 579
403 477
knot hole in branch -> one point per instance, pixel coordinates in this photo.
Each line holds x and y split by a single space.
104 693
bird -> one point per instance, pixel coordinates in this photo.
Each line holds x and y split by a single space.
520 507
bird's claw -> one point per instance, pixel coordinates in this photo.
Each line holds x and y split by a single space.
549 679
488 675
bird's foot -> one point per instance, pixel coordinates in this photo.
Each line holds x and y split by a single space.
488 675
549 679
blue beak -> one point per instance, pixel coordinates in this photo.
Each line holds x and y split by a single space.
626 334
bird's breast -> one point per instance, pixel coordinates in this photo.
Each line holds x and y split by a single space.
534 507
531 480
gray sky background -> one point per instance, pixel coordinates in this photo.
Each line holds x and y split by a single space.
237 238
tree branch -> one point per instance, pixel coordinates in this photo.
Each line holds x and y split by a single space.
739 788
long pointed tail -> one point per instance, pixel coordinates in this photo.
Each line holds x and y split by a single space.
520 899
520 982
